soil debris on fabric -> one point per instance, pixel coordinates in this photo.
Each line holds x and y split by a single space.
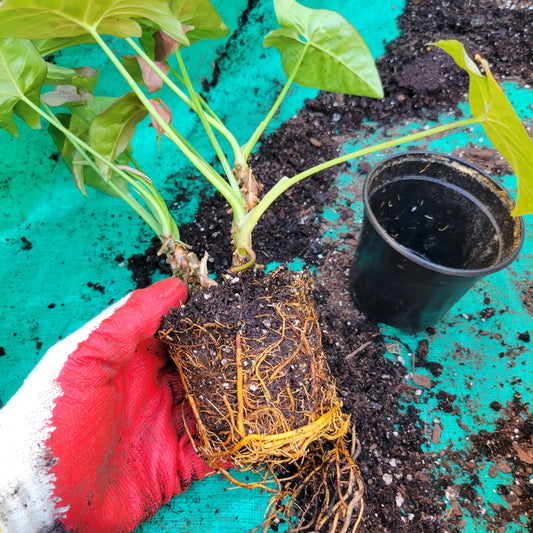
407 489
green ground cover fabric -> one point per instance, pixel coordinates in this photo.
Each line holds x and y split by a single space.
59 250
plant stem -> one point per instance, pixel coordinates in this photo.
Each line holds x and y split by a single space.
242 235
211 117
203 118
162 223
249 146
203 166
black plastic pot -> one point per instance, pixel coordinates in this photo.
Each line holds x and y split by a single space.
433 225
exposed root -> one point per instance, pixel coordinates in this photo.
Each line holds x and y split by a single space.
264 399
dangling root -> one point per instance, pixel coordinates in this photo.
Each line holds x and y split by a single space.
260 387
334 509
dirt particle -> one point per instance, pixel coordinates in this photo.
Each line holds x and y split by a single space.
525 337
96 286
496 406
26 244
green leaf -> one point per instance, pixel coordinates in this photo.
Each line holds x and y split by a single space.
61 95
46 19
202 17
78 121
82 173
84 78
71 85
199 20
500 121
22 74
336 57
50 46
111 131
141 72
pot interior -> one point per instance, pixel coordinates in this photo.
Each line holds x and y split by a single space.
444 212
438 222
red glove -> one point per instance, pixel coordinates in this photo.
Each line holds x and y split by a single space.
95 439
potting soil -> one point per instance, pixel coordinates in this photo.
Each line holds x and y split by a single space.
444 416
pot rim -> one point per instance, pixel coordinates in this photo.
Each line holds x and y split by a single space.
402 250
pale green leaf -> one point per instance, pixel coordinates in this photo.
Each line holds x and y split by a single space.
84 78
111 131
84 174
200 21
78 121
51 45
22 74
63 144
70 85
142 73
47 19
131 64
202 17
78 165
61 95
336 57
500 121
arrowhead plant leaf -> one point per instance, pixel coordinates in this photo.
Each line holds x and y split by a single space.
51 45
502 125
22 75
143 74
84 78
111 131
47 19
202 17
78 121
336 57
82 173
71 84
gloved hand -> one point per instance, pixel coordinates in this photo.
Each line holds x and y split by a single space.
95 439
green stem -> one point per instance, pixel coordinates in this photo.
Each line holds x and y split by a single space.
212 118
162 222
168 226
242 235
249 146
203 119
201 164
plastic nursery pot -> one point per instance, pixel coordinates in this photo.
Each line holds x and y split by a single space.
433 225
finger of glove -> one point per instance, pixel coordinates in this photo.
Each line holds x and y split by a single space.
190 466
112 340
127 456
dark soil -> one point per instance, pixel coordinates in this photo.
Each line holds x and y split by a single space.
274 311
406 488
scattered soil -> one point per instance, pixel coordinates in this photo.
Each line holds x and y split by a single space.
407 488
509 450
